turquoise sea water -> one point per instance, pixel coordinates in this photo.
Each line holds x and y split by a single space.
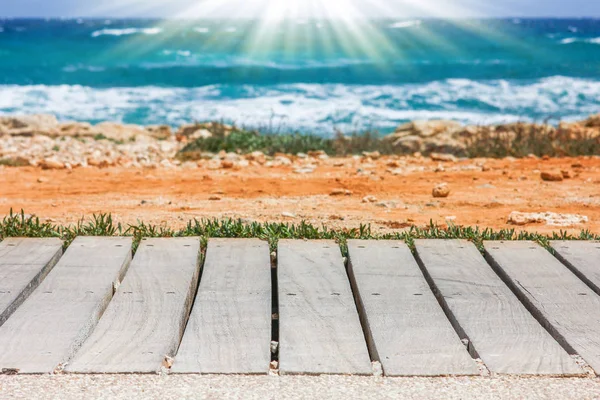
311 76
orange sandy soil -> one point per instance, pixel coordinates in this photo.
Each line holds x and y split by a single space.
256 193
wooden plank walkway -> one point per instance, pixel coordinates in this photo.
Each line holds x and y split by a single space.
500 329
406 327
145 320
319 327
50 326
524 310
583 258
229 330
565 304
24 263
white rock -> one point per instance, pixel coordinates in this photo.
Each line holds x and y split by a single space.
549 218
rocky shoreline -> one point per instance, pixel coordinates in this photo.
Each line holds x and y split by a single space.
43 141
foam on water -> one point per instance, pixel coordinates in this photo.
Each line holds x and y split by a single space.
314 108
126 31
570 40
406 24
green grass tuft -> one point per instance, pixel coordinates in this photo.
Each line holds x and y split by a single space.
22 225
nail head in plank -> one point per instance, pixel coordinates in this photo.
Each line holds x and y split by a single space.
560 300
24 263
49 327
145 320
229 330
582 257
319 327
503 333
405 325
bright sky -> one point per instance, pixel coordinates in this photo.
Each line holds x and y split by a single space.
299 8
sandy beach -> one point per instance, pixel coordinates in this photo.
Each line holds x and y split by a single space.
389 193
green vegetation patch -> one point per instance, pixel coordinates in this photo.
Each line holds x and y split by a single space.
293 143
22 225
516 140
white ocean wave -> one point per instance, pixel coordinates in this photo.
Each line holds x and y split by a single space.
312 107
201 30
406 24
183 53
126 31
580 40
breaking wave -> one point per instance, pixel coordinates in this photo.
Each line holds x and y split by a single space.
313 107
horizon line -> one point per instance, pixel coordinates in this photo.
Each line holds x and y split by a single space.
401 18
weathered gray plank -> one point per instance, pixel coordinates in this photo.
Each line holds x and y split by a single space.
49 327
500 329
568 308
582 257
319 328
145 320
406 327
229 330
24 263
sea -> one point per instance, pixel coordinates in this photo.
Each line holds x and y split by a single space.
310 76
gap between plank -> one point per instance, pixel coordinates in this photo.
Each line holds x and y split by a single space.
201 259
274 345
512 285
447 311
574 270
362 314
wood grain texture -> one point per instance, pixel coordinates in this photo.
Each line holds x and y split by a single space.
145 320
406 328
319 327
568 308
229 330
582 257
24 263
50 326
500 329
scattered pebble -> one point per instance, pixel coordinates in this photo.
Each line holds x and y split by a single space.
566 174
443 157
227 164
304 170
50 163
371 154
552 176
369 199
340 192
441 190
287 214
214 197
377 368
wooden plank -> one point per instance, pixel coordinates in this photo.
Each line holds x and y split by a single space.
24 263
229 330
406 328
49 327
319 328
500 329
582 257
144 322
566 306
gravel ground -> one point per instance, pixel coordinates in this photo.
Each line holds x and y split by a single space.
292 387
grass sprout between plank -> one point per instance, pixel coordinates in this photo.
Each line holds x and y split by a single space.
22 225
